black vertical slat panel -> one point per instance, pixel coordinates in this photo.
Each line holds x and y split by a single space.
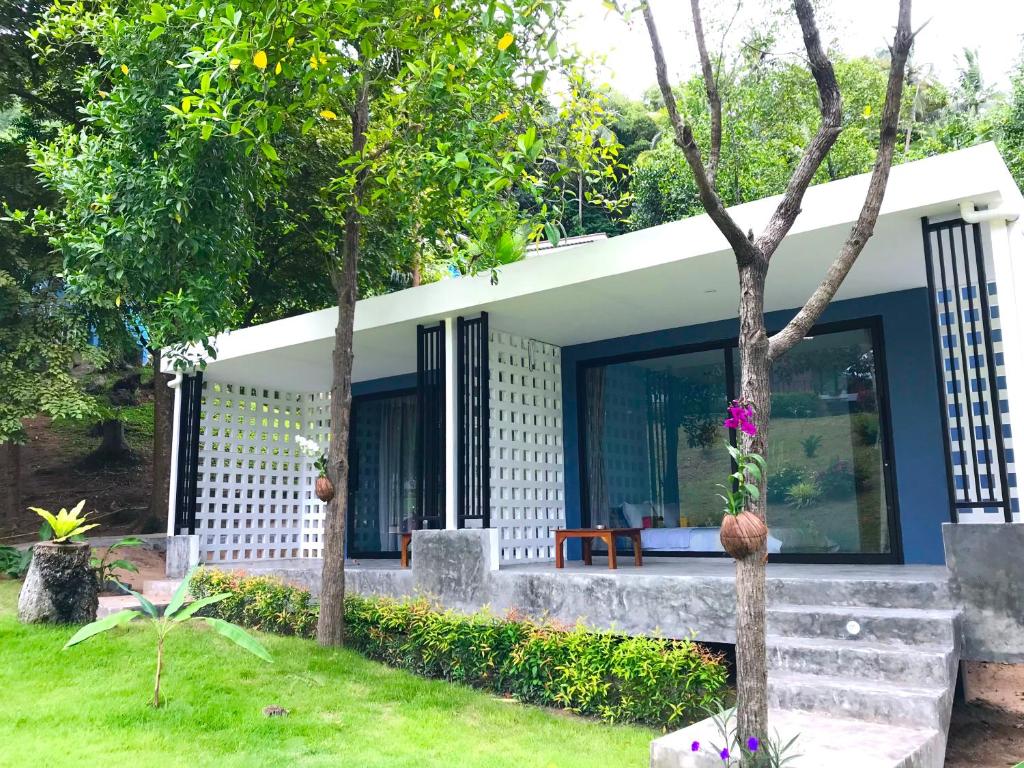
185 502
473 419
430 433
958 291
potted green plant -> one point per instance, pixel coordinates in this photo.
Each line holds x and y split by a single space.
60 586
742 532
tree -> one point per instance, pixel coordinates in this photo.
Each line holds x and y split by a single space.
152 227
758 350
438 115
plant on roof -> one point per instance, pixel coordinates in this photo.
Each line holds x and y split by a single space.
174 615
66 524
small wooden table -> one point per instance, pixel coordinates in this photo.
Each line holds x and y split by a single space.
587 535
406 541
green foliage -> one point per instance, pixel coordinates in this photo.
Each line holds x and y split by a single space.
743 483
14 562
66 524
177 613
865 428
804 494
105 567
837 480
811 444
780 481
602 674
734 750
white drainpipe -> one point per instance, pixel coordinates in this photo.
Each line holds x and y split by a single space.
172 496
972 215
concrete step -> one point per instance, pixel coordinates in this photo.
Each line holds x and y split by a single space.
160 587
822 742
113 603
931 592
852 697
934 627
865 660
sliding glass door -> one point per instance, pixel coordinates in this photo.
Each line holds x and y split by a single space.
382 473
653 447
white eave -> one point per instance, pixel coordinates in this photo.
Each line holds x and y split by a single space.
671 275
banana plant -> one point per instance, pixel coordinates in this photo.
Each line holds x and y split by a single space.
174 615
106 568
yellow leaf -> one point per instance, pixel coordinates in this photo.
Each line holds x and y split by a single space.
499 117
323 58
437 11
124 69
867 111
313 62
234 64
186 105
326 114
260 60
102 94
291 41
117 301
277 69
506 40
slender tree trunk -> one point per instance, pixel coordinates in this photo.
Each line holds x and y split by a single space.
751 670
331 624
11 484
113 445
159 669
163 424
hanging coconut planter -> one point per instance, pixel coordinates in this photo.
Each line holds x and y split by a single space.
743 534
324 488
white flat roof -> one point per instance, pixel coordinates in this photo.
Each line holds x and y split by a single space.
667 276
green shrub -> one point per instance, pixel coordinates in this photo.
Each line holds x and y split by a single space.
614 677
796 405
811 444
14 562
780 481
865 428
836 481
804 494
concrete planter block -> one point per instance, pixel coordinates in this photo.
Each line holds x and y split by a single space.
988 580
182 555
60 587
455 565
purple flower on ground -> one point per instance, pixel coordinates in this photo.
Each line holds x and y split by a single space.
724 754
741 417
753 744
695 747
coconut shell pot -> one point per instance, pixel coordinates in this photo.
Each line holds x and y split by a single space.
324 489
742 534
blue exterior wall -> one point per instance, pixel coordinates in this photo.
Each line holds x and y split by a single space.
919 460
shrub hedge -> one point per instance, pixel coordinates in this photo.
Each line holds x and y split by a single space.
665 683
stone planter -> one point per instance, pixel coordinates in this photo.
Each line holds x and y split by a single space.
60 587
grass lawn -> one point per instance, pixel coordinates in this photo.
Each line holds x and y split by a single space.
88 706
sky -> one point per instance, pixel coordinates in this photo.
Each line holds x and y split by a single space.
857 27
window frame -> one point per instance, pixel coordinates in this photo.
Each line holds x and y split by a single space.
729 347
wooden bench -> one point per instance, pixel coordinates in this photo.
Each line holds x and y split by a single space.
588 535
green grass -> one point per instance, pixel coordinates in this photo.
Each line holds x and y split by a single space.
88 706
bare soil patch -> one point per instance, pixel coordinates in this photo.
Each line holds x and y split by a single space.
987 731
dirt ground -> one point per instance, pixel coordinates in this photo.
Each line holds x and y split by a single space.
987 731
149 562
51 479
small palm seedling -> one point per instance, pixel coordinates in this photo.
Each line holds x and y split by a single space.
176 614
811 444
66 525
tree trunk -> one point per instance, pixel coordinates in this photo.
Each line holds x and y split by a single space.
751 667
330 628
163 427
113 443
11 496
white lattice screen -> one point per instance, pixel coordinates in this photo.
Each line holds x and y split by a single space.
527 454
255 496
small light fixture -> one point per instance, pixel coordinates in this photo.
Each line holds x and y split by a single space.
853 628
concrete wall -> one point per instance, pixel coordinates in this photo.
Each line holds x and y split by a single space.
987 566
920 463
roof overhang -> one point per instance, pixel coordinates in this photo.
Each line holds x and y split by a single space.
668 276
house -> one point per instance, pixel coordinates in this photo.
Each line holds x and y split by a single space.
586 386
